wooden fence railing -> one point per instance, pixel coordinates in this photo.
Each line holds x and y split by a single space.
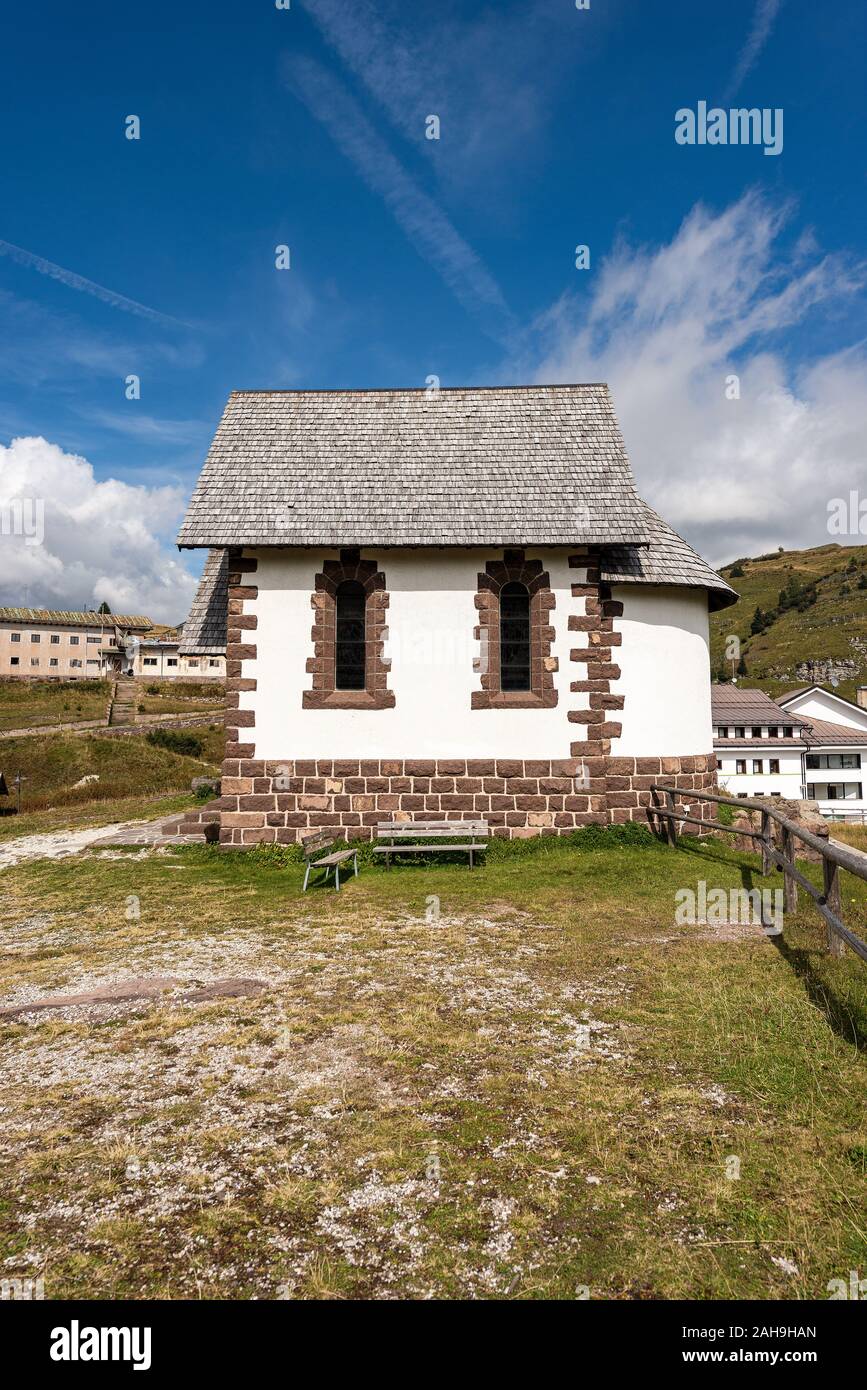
834 857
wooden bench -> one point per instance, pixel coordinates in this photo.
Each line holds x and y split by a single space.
395 836
323 840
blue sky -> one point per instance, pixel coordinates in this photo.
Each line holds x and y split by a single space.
410 256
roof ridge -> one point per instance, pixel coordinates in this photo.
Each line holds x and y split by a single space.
409 390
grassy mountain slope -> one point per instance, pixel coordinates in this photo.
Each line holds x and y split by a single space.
832 626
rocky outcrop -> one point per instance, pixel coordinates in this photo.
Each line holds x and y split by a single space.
803 813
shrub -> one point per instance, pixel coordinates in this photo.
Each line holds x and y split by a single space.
176 741
591 837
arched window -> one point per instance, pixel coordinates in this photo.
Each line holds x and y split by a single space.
514 637
350 636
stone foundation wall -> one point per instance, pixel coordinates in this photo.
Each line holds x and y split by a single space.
279 802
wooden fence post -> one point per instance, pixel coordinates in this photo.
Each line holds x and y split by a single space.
766 840
831 877
672 823
790 887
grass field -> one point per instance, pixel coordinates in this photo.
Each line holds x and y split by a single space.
31 704
524 1081
852 834
125 767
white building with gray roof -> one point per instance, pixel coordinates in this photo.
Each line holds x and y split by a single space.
445 604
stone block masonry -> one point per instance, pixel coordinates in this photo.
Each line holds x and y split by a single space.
279 802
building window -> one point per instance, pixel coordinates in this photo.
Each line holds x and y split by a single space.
349 660
15 636
833 761
55 638
214 661
73 641
757 765
53 661
74 662
171 661
15 660
515 664
756 731
740 765
193 663
150 661
774 765
740 731
789 730
91 640
34 661
348 667
35 637
92 661
834 791
514 637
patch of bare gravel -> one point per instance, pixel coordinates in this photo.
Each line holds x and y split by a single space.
198 1105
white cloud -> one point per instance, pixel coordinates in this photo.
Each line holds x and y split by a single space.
666 327
102 540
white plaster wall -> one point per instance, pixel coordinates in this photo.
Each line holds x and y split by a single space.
431 617
787 782
818 705
665 672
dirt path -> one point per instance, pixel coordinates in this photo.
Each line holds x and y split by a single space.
59 844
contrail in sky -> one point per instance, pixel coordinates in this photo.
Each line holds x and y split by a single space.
78 282
763 22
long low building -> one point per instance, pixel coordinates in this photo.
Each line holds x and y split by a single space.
45 643
53 644
808 744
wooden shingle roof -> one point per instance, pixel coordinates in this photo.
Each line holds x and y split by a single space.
524 465
204 632
666 559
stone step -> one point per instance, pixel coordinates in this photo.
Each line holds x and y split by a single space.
203 821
